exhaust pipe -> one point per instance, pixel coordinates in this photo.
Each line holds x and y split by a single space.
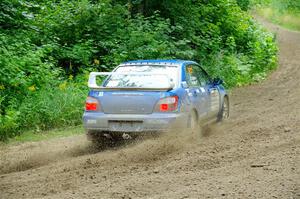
126 136
108 136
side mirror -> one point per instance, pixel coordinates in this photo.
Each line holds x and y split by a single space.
184 84
217 81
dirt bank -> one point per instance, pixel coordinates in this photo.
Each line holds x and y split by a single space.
255 154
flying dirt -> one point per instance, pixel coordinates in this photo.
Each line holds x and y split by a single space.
254 154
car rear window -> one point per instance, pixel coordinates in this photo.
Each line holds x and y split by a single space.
161 79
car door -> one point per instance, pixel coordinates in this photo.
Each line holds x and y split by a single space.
197 93
213 93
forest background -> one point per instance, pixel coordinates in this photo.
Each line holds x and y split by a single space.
48 48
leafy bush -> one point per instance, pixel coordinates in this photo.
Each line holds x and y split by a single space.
244 4
24 68
52 107
47 108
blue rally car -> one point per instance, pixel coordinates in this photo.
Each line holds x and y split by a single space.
152 96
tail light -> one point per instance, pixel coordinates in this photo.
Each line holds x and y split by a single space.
91 104
168 104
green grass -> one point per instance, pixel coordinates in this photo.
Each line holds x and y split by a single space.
290 20
32 136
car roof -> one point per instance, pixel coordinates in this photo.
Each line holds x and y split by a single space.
177 62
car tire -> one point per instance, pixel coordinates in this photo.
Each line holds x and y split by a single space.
224 113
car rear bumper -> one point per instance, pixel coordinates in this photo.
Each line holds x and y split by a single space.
134 122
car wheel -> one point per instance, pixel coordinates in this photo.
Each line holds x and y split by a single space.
224 113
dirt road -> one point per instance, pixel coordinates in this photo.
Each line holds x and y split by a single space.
256 154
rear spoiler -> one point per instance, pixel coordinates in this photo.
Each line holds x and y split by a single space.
92 84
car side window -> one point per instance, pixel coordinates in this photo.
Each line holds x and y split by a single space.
191 78
201 75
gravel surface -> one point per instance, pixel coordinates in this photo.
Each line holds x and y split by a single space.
255 154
